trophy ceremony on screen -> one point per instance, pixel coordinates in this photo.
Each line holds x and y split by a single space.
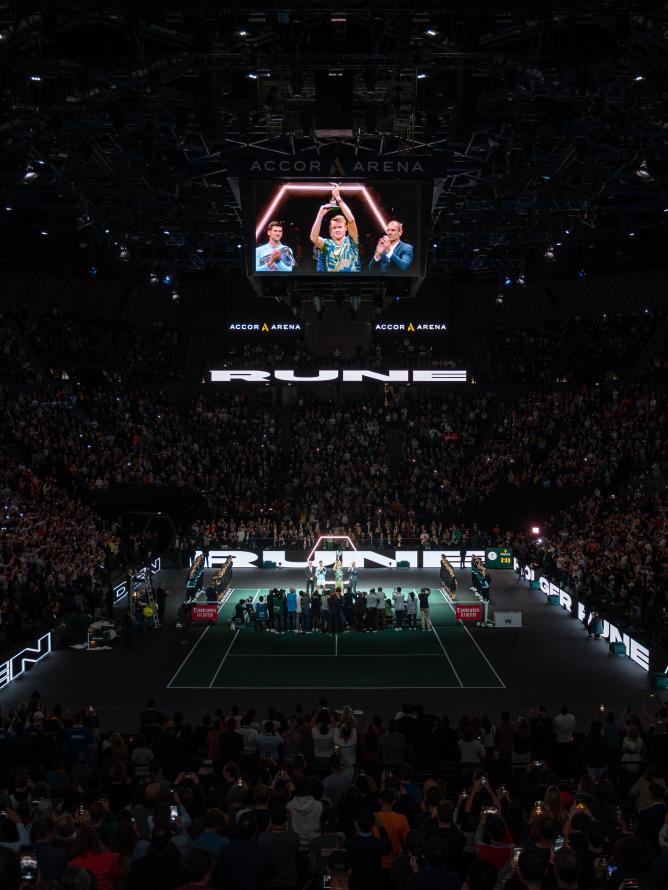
311 227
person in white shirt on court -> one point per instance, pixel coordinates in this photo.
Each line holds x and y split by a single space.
399 609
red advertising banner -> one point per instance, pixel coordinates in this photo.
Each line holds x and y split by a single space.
204 612
468 611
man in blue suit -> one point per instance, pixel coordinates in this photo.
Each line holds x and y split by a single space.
392 254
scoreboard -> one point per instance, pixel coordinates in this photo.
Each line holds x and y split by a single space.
498 558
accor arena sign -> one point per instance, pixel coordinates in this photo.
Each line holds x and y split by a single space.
263 327
428 375
410 327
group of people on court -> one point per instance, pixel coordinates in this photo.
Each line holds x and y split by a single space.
480 577
334 610
448 577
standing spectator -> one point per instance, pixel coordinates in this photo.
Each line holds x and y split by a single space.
425 620
392 746
367 851
305 813
633 750
51 858
433 873
338 781
471 750
213 841
322 846
198 870
323 739
564 726
595 751
90 853
244 864
282 845
161 600
269 742
395 824
345 739
521 743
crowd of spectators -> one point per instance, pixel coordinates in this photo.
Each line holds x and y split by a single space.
69 344
390 468
385 350
586 349
15 363
601 348
612 553
293 799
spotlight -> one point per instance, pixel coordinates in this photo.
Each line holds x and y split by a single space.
431 32
242 32
549 254
581 273
166 232
421 75
535 530
521 280
507 281
123 253
175 296
44 232
251 75
499 299
36 78
166 278
153 278
30 173
93 271
639 77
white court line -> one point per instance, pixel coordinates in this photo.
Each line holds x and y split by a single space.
227 651
478 648
222 662
440 641
337 654
202 635
373 688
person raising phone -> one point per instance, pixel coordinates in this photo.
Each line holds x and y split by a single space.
341 251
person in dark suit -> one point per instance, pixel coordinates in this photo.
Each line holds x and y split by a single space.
392 254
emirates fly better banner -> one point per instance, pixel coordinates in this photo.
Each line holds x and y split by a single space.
468 611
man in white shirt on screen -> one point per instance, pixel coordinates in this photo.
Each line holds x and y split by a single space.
274 256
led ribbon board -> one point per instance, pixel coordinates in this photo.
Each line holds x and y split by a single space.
18 664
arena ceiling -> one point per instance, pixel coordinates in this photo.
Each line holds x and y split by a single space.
117 122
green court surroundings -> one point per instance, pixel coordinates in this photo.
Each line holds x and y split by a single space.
447 657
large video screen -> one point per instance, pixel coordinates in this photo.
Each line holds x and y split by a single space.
351 227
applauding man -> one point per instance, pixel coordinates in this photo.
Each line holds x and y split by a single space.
392 254
274 256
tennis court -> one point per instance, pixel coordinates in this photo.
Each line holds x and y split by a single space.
446 658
